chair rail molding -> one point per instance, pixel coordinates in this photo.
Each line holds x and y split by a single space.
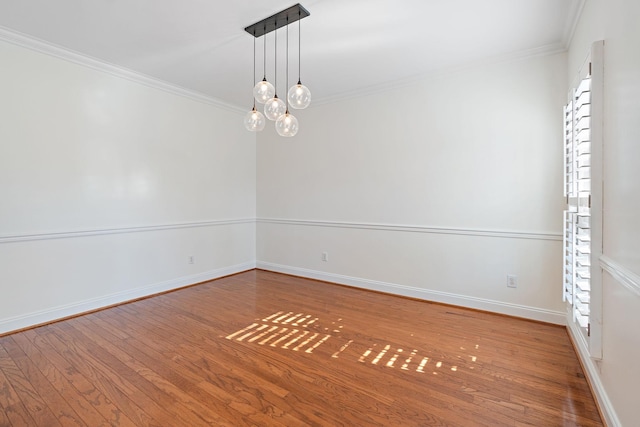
25 237
625 277
510 234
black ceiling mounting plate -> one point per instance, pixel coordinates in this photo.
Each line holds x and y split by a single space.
278 20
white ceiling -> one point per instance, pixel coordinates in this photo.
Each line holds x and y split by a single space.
347 45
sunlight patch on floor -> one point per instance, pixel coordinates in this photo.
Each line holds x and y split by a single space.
295 336
290 331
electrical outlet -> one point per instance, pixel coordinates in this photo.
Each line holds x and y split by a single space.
192 259
325 256
512 281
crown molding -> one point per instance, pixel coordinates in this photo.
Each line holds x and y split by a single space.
41 46
546 50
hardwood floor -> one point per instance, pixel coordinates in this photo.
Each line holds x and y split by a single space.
265 349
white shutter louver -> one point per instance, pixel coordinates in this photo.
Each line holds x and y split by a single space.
577 190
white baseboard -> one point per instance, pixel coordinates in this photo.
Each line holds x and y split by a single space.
591 370
61 312
526 312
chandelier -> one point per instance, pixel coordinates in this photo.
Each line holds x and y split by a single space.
298 96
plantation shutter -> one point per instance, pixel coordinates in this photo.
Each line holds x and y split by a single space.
582 221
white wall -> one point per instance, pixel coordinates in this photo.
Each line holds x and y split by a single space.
437 189
616 377
108 185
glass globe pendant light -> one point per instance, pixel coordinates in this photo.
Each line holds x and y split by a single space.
263 90
299 96
275 107
254 120
287 124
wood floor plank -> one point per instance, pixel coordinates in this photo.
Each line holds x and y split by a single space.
4 418
60 408
83 388
86 414
144 402
13 409
160 383
115 388
266 349
212 363
26 391
242 399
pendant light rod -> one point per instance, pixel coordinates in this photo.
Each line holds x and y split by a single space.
275 64
278 20
286 81
254 70
299 50
264 55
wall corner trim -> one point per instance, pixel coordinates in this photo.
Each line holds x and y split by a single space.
515 310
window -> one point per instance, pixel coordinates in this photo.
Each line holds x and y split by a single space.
582 234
